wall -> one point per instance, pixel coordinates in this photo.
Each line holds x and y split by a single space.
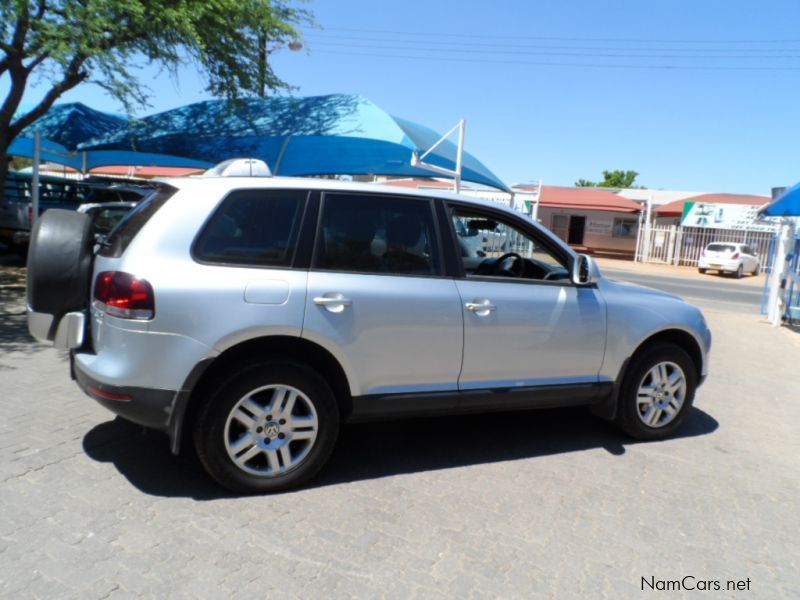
598 233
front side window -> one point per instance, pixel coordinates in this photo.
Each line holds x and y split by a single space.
253 227
377 234
492 247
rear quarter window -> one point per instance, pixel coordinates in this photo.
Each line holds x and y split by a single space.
253 227
122 235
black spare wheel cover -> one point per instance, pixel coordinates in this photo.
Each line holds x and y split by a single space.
60 264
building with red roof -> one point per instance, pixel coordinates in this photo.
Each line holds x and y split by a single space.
589 219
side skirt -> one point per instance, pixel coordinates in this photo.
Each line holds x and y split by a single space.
395 406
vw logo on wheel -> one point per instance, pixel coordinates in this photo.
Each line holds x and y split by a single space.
272 429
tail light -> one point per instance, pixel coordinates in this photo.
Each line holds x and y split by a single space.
735 255
123 295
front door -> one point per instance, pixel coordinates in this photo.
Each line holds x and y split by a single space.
576 227
378 299
525 323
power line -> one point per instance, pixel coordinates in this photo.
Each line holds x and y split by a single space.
326 37
547 53
568 39
565 64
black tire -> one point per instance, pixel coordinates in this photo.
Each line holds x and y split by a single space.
209 428
757 270
628 418
60 264
738 273
701 270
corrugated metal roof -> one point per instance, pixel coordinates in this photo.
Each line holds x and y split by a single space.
585 199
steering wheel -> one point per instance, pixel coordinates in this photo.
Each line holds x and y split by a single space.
516 268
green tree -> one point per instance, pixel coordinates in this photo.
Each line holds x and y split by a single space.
69 42
612 179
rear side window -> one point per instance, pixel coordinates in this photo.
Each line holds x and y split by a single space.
253 227
122 235
377 234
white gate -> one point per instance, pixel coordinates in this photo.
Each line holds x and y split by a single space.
675 245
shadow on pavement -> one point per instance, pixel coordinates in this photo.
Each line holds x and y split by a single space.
375 450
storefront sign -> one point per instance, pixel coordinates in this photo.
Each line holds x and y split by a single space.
722 216
599 226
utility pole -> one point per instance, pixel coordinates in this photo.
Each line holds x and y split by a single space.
263 58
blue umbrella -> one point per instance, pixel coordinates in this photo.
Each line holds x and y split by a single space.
785 205
318 135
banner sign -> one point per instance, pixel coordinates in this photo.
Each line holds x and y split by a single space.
723 216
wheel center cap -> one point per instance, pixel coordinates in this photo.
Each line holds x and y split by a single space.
272 429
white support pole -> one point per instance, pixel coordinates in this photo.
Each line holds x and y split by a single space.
535 211
638 250
419 161
646 249
460 156
776 276
37 159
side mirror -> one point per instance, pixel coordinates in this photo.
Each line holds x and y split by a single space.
584 270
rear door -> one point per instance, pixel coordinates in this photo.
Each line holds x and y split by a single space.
378 298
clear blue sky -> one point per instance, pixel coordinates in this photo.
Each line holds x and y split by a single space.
723 129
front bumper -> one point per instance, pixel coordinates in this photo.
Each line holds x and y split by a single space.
148 407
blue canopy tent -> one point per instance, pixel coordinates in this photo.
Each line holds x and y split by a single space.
65 126
785 205
318 135
72 123
85 161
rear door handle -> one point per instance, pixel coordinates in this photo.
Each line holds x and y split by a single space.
333 301
481 306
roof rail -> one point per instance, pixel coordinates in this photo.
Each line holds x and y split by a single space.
239 167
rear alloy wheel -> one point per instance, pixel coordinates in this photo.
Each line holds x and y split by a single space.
657 392
267 428
738 273
757 270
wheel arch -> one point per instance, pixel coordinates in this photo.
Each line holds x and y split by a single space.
679 337
262 348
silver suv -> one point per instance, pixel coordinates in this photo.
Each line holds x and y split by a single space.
252 316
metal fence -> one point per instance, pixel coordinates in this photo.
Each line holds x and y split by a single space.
677 245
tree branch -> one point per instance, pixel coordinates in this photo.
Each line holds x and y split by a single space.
72 77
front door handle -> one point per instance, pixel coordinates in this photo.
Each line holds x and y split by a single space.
481 307
333 301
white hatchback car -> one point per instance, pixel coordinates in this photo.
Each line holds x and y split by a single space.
729 258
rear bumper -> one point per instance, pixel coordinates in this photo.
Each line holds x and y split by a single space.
147 407
720 265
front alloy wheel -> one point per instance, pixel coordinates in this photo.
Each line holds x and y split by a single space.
661 394
657 392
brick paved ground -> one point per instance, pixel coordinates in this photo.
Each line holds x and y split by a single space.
537 504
